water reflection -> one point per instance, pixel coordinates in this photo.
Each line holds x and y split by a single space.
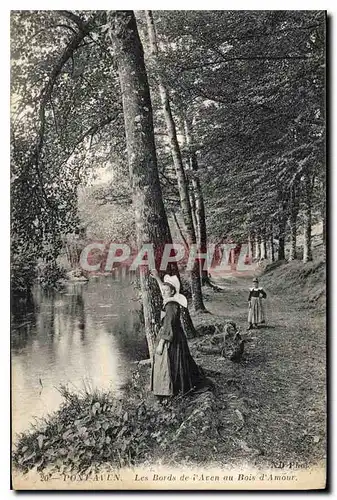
86 336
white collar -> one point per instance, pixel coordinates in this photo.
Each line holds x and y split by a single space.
179 298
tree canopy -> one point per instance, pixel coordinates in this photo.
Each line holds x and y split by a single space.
250 84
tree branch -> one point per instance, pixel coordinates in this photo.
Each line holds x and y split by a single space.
74 18
90 132
47 93
169 181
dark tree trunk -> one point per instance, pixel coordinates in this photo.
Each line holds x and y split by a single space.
282 223
324 226
150 216
193 208
281 248
196 291
294 208
253 243
308 188
323 189
272 249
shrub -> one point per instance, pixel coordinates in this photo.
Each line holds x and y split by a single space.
93 429
50 274
23 272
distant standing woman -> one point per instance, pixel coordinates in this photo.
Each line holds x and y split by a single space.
174 370
256 314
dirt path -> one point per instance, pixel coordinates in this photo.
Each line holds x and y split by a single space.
272 404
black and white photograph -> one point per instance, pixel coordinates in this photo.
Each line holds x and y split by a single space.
168 240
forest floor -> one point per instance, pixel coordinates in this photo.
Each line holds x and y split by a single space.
274 401
267 410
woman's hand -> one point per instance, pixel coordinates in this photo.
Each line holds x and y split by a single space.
154 274
249 305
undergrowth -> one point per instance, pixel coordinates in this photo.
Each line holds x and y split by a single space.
96 429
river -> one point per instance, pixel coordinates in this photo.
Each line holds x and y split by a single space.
85 337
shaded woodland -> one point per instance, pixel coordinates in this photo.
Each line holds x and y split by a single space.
211 124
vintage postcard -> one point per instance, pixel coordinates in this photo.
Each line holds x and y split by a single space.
168 250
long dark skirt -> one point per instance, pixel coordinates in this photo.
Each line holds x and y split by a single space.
175 371
185 373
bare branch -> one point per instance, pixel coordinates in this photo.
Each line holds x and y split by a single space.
90 133
73 17
47 93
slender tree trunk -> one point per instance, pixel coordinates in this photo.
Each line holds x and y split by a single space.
199 199
253 243
293 238
281 248
307 248
323 189
282 222
263 245
324 225
179 229
272 249
150 216
294 208
197 299
250 246
257 246
193 208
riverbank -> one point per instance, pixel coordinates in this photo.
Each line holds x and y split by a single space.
268 408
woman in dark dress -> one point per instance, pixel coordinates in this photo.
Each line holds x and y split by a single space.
174 370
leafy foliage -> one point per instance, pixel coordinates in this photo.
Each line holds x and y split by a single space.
63 93
251 83
93 429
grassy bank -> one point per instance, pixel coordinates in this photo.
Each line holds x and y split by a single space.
269 407
94 430
306 284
